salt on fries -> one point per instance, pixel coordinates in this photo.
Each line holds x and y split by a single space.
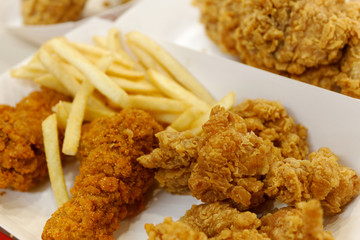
52 152
103 78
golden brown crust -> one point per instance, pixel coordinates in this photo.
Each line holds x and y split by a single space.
111 184
41 12
22 157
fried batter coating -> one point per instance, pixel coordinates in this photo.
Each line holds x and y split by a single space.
321 177
270 121
216 221
305 222
40 12
111 184
231 160
22 156
173 159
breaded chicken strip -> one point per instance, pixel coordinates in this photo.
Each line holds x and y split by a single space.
321 177
112 184
216 221
305 222
270 120
22 156
231 161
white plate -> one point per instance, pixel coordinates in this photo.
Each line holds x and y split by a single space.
38 34
332 120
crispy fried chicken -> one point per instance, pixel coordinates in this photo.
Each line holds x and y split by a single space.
270 120
220 221
22 157
215 221
321 177
178 152
231 160
40 12
112 184
173 160
304 222
304 39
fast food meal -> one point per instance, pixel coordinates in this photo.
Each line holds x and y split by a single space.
135 117
313 41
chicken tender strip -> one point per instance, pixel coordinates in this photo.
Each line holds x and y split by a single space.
22 156
321 177
112 184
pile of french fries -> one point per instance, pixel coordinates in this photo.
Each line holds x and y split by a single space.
105 77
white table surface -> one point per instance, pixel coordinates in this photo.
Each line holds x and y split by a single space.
12 48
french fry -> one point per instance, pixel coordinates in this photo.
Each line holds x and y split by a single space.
104 62
147 60
113 40
99 79
74 72
120 71
167 118
62 114
95 51
184 121
25 72
100 41
139 87
63 109
49 81
227 102
160 104
59 71
173 66
52 152
174 90
75 120
113 43
35 64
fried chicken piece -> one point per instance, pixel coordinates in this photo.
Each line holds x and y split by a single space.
231 160
288 36
216 221
321 177
305 222
178 151
22 156
270 121
173 160
314 41
40 12
112 184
